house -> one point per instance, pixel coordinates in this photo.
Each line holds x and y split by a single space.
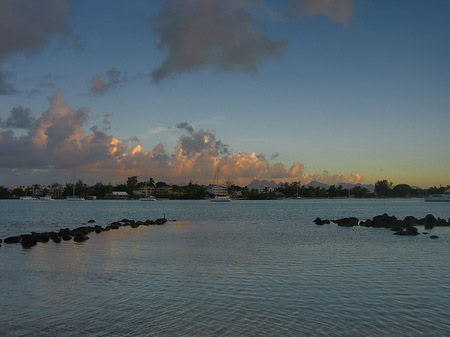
144 191
164 190
119 195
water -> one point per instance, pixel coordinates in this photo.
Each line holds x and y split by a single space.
249 268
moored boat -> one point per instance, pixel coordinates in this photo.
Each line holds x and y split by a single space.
46 198
444 197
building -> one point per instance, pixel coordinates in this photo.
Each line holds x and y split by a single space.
219 190
119 195
144 191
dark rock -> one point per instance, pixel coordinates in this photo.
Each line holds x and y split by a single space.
135 224
424 233
56 238
410 221
41 237
91 221
13 239
66 237
347 222
318 221
397 229
98 229
160 221
1 240
28 241
115 225
430 221
384 221
79 237
434 237
411 231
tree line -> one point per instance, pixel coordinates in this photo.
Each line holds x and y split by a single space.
383 188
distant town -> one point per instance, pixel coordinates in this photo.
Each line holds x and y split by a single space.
256 190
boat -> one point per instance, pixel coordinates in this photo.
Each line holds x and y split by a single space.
74 197
297 196
28 198
148 198
444 197
220 191
221 199
46 198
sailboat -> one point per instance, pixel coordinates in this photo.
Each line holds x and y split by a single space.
220 191
297 196
74 197
147 197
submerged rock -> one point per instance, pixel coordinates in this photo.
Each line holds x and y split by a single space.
13 239
28 240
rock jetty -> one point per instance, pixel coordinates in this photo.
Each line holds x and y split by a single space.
407 226
79 234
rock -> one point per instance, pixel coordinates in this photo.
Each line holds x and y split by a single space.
79 237
410 221
66 237
384 220
318 221
91 221
56 238
347 222
430 221
434 237
115 225
1 240
28 241
397 229
160 221
135 224
98 229
13 239
41 237
424 233
411 231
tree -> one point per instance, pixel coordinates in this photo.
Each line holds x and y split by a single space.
4 193
402 190
18 192
131 184
383 187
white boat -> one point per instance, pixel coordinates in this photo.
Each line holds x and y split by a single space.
148 198
297 196
444 197
28 198
221 199
74 197
46 198
220 191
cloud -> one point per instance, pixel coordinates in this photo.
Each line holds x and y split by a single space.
101 87
57 141
6 88
34 92
106 122
30 24
337 10
20 118
220 34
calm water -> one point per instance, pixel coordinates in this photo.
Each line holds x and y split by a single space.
250 268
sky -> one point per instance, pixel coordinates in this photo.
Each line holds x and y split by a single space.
338 91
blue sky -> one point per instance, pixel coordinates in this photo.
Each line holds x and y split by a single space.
338 91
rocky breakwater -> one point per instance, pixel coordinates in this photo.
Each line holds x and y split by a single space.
79 234
406 227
